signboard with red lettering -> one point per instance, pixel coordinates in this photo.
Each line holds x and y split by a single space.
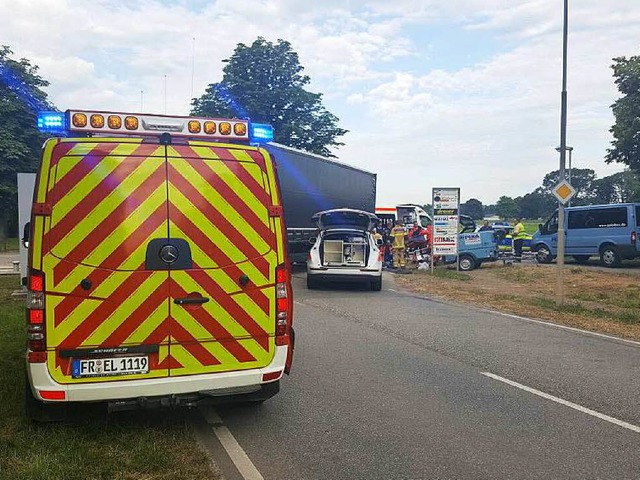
446 218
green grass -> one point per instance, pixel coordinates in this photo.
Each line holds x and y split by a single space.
515 275
94 445
577 308
628 298
449 274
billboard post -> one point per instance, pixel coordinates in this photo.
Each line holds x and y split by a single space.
446 222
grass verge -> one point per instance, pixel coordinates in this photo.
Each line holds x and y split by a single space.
602 301
126 446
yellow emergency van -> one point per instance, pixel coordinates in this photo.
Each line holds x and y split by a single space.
158 270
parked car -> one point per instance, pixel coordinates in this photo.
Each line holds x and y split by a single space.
344 249
608 231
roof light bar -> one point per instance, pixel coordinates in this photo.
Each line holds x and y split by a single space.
96 122
145 124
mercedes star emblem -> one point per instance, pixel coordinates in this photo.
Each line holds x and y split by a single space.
168 254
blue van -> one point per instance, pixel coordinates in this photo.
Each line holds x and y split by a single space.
609 231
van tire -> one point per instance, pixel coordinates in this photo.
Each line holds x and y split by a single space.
581 259
609 256
312 283
543 254
466 263
376 284
41 412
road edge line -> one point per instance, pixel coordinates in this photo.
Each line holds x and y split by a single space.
238 456
566 403
453 303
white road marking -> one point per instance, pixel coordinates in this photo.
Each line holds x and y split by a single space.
210 415
566 403
564 327
238 456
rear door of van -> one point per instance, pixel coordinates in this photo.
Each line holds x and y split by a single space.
103 202
166 255
223 300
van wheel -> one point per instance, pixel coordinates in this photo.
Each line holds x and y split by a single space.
543 255
312 283
376 284
466 263
40 412
609 256
581 259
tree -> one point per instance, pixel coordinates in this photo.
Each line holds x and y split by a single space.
507 207
264 82
20 142
537 204
619 187
626 110
582 179
473 208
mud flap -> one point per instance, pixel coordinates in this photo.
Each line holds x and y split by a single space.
289 362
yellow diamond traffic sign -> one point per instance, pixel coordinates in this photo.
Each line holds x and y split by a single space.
563 191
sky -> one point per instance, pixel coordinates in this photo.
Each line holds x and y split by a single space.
461 93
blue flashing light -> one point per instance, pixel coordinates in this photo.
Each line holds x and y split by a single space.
52 122
260 132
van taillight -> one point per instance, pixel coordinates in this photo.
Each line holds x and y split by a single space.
634 237
36 340
283 304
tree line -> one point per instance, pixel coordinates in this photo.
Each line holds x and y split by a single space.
540 203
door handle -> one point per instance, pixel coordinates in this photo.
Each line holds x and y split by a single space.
191 300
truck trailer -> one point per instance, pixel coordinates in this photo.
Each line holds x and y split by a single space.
312 183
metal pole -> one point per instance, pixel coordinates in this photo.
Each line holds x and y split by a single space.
165 94
563 155
193 66
570 154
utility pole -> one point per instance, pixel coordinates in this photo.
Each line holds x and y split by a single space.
563 156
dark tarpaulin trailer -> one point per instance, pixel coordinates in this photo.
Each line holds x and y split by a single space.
312 183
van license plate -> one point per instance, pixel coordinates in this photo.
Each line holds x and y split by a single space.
107 367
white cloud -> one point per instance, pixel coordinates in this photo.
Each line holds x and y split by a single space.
488 125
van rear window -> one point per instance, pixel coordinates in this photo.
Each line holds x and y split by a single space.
598 218
637 215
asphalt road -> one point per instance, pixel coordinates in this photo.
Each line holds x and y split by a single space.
387 385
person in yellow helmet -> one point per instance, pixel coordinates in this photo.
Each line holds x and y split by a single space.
398 234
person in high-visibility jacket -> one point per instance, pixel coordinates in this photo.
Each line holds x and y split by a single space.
518 238
398 234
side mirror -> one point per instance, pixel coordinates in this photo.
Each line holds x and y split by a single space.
312 240
26 233
540 226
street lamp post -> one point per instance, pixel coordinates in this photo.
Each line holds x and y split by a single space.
563 155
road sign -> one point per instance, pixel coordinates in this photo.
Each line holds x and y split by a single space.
563 191
446 206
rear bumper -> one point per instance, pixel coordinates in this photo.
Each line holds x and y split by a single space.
340 275
228 383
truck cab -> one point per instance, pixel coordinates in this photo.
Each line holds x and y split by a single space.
410 214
